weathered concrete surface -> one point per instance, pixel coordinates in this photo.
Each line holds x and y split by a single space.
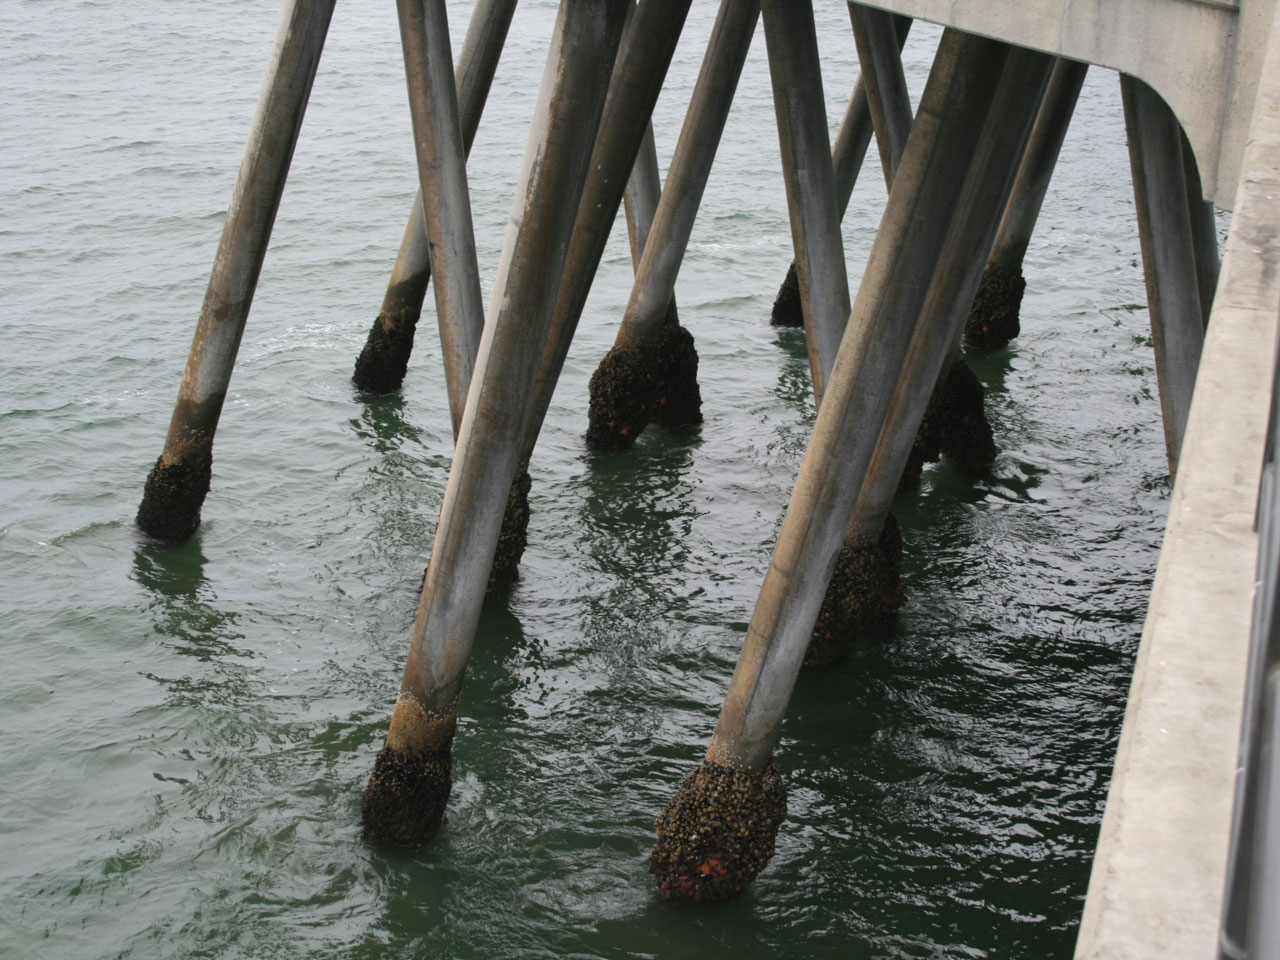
1202 56
1157 881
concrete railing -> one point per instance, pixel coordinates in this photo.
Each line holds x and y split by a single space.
1156 890
1250 927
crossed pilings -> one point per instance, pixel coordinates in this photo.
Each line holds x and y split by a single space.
874 358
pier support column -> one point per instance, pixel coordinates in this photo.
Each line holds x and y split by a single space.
681 397
879 36
864 590
1165 226
177 484
847 156
446 206
1204 233
628 388
956 174
384 359
445 199
405 798
623 161
993 321
800 107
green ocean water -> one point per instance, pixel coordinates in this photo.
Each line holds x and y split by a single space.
187 730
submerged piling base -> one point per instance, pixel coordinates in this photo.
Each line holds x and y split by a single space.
514 536
787 310
173 496
955 424
382 363
993 321
717 833
865 592
633 388
412 777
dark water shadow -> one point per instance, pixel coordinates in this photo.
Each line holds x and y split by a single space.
381 423
638 508
182 603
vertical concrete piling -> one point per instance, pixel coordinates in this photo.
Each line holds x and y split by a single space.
1165 227
382 363
177 484
445 202
635 380
847 156
994 320
445 199
978 107
799 105
1204 232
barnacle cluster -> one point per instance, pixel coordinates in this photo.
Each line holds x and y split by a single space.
717 833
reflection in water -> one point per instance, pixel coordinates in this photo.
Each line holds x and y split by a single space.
382 423
183 605
795 382
638 512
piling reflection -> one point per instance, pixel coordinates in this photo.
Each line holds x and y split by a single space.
183 604
638 511
382 424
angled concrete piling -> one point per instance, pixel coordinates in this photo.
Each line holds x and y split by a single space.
879 36
847 156
947 198
994 318
627 388
409 786
618 164
382 363
177 484
864 591
1165 227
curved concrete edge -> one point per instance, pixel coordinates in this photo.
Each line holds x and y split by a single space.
1202 56
1158 875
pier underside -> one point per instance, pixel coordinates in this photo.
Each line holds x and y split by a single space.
966 172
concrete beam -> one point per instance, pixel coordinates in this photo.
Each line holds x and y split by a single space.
1203 57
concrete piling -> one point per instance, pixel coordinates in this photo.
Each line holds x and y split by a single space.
383 360
409 786
993 320
1204 232
446 205
445 199
1165 228
847 156
638 375
177 484
796 75
878 35
865 590
621 163
954 182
